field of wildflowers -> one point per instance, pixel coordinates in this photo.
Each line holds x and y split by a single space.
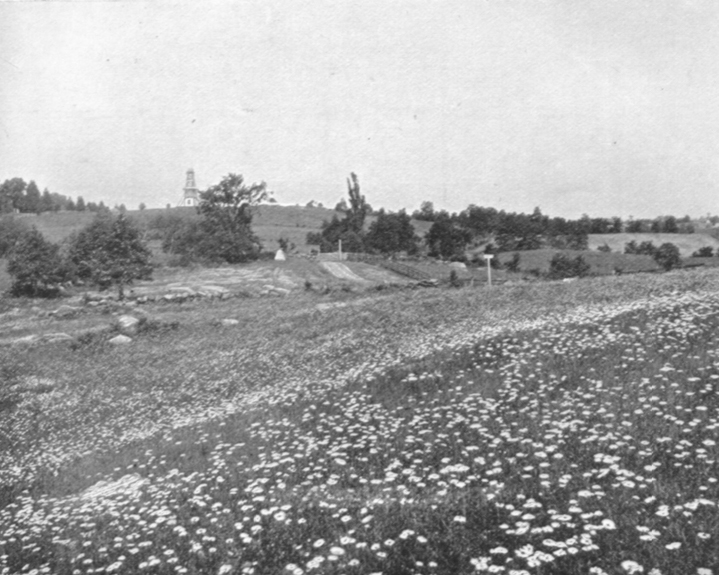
546 429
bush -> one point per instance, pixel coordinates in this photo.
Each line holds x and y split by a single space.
604 248
10 231
705 252
667 256
109 251
513 264
563 266
36 266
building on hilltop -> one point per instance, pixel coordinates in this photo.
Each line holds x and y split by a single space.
190 195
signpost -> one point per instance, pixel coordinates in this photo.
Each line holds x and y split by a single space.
489 257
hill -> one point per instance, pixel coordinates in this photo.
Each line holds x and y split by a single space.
557 428
270 222
601 263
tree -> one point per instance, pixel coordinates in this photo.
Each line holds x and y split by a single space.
35 266
670 225
392 233
358 205
80 204
667 256
10 231
445 239
704 252
350 229
31 201
110 251
224 232
635 227
227 212
425 212
11 195
513 264
562 266
46 201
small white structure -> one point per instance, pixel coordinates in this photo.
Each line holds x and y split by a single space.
190 193
280 256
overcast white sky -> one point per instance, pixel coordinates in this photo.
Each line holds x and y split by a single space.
606 107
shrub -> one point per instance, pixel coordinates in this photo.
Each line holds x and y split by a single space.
454 279
562 266
667 256
36 266
109 251
705 252
604 248
513 264
10 231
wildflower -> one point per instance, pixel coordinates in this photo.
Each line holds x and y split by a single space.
673 546
632 567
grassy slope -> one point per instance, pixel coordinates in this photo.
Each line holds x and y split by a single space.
270 222
601 263
299 427
687 243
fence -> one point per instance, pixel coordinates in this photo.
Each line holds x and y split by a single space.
397 267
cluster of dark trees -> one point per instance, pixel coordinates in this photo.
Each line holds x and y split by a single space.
451 234
16 195
108 252
666 255
223 232
389 233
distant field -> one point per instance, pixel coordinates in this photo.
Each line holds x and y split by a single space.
687 243
601 263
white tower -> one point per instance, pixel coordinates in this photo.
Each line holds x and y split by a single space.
191 195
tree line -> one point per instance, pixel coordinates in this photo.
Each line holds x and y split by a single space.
111 250
19 196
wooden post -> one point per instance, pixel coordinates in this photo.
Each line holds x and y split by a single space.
340 252
489 257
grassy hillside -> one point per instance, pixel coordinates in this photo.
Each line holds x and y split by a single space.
543 428
601 263
270 222
687 243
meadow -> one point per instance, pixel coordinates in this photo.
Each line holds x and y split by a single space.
545 428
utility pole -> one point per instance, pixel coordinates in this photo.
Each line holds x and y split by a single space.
488 258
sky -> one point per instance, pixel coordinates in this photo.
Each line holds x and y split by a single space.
604 107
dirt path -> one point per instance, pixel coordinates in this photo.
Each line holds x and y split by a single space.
341 271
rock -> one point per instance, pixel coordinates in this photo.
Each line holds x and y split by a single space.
55 337
211 290
128 324
27 340
168 297
65 311
282 291
120 340
230 321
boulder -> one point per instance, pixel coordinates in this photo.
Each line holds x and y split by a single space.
120 340
128 324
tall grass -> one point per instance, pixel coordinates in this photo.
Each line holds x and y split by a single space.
554 428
